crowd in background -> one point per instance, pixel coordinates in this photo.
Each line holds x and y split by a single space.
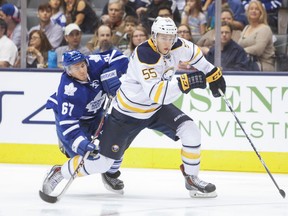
248 30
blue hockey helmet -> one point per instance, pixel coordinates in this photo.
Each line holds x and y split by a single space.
72 57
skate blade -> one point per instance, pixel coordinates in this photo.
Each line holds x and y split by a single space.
121 192
198 194
48 198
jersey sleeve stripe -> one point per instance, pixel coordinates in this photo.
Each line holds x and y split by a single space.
65 122
128 107
197 61
197 53
53 100
158 91
117 58
70 129
111 56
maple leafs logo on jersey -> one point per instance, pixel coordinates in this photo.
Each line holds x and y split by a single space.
70 89
96 103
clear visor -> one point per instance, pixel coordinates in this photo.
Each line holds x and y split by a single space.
165 38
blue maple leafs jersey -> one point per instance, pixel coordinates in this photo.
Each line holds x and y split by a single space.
78 106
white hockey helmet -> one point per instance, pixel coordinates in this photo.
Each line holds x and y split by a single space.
163 25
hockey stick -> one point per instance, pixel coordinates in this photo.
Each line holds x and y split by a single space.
282 192
54 199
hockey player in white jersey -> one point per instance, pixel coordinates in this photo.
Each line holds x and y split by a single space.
144 100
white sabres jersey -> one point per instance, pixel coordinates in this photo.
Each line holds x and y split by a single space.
150 82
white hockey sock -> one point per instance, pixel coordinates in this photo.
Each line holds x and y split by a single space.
190 137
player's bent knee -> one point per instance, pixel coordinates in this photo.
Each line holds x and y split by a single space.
189 133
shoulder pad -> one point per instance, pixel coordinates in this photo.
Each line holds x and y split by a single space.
177 44
146 54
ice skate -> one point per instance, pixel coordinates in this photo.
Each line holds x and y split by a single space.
197 187
53 178
112 183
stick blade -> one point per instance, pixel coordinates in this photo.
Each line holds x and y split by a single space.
282 192
47 198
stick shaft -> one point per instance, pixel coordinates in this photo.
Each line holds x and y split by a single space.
248 138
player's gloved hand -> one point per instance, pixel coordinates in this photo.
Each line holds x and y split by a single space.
216 81
192 80
110 82
84 147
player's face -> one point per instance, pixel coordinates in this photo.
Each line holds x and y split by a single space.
165 43
79 71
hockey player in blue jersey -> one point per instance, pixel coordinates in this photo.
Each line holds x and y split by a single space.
78 107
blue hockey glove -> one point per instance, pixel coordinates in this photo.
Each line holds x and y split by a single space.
216 81
186 82
110 82
85 146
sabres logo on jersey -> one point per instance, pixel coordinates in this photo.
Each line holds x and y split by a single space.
168 74
70 89
96 103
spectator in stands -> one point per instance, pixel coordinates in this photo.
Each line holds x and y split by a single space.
58 16
116 15
130 25
10 14
102 40
8 50
82 14
208 39
184 31
256 38
193 16
37 50
149 14
53 31
138 36
72 36
205 5
130 8
233 56
271 7
2 2
235 6
180 5
166 11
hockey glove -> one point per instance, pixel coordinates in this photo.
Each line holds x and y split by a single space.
192 80
216 81
83 147
110 82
